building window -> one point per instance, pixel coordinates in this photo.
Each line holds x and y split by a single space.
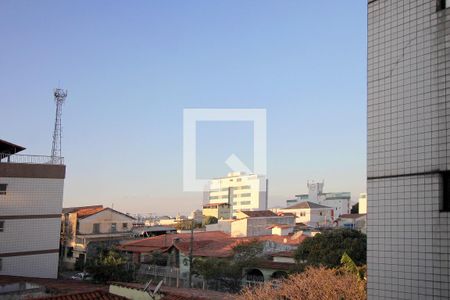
443 4
2 226
113 227
445 197
125 225
3 187
246 202
69 252
246 195
96 228
320 213
302 214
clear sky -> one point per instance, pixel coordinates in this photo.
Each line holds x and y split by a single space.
131 67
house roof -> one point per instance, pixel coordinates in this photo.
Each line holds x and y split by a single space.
80 208
93 295
351 216
206 244
283 254
268 264
258 213
9 148
90 212
164 241
306 205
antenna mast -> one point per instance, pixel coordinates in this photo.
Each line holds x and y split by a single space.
60 97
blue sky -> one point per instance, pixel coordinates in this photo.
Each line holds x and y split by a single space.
131 67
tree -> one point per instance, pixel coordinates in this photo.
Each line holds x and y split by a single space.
314 283
110 265
328 247
229 271
355 208
209 220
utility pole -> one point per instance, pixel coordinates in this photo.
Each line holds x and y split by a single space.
191 250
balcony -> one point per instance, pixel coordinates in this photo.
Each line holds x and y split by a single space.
30 159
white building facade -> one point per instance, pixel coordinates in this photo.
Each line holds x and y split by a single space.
408 163
240 191
311 214
31 195
340 202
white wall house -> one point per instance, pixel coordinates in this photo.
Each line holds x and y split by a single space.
91 224
339 201
241 191
31 195
257 223
310 213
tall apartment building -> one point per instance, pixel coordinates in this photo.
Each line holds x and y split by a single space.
408 149
340 202
31 195
241 191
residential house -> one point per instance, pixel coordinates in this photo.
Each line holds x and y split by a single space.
311 214
218 210
353 221
84 229
339 201
258 223
31 196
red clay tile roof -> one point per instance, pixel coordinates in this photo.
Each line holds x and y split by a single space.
268 264
306 204
283 254
94 295
162 242
259 213
78 208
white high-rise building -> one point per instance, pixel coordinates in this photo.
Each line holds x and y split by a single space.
408 154
31 195
242 191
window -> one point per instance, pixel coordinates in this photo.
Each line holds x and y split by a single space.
320 213
302 214
443 4
96 228
125 225
69 252
245 202
113 227
445 195
246 195
3 187
2 226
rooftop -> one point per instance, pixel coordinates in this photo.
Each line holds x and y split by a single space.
306 205
8 154
351 216
259 213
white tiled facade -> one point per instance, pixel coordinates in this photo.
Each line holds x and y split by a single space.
408 145
36 199
249 191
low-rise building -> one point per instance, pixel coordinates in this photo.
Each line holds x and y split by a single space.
217 210
362 203
31 196
353 221
258 223
86 228
311 214
339 201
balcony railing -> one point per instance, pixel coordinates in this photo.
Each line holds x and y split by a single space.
30 159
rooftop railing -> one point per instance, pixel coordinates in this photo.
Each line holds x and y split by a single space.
30 159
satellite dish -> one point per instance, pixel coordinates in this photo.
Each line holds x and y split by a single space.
157 287
147 285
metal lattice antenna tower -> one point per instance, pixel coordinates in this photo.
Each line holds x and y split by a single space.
60 97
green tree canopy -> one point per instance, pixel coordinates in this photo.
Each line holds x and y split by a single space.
209 220
110 265
328 247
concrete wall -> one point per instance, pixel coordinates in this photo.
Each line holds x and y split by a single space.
408 141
